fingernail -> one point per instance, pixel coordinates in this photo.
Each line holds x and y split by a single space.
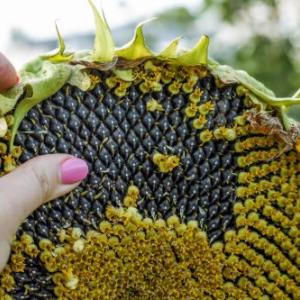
73 170
18 79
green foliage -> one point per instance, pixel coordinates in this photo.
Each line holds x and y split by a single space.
231 8
271 57
271 62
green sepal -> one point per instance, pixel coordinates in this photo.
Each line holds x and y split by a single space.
104 49
290 115
9 99
196 56
297 94
41 80
255 100
59 55
136 48
289 108
171 50
80 78
228 75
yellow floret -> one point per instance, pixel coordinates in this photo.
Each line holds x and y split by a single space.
154 105
166 163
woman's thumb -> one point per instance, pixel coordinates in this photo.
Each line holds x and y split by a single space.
36 182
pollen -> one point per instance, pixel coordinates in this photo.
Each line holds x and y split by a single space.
199 122
196 95
79 245
9 163
71 281
206 136
206 108
297 146
149 261
191 110
132 196
154 105
166 163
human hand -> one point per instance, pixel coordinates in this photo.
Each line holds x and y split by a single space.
33 183
8 74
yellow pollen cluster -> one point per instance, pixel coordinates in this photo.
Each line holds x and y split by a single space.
263 250
94 81
118 85
228 134
7 281
149 77
166 163
134 258
297 146
154 105
191 110
206 108
195 96
19 248
132 196
206 135
8 159
254 143
199 122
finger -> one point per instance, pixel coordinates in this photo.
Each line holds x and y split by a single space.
8 74
4 253
35 182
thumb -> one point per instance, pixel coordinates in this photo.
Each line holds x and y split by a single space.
32 184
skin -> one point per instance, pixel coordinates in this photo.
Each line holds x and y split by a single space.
28 186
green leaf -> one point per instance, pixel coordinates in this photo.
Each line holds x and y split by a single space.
43 79
196 56
104 49
137 47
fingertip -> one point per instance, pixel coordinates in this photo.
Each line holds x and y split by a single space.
34 183
8 74
73 170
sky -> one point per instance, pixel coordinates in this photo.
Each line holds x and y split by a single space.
36 18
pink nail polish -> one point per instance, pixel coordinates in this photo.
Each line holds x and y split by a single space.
73 170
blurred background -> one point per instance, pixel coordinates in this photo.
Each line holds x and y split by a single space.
259 36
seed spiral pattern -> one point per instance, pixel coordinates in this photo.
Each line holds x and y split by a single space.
184 198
